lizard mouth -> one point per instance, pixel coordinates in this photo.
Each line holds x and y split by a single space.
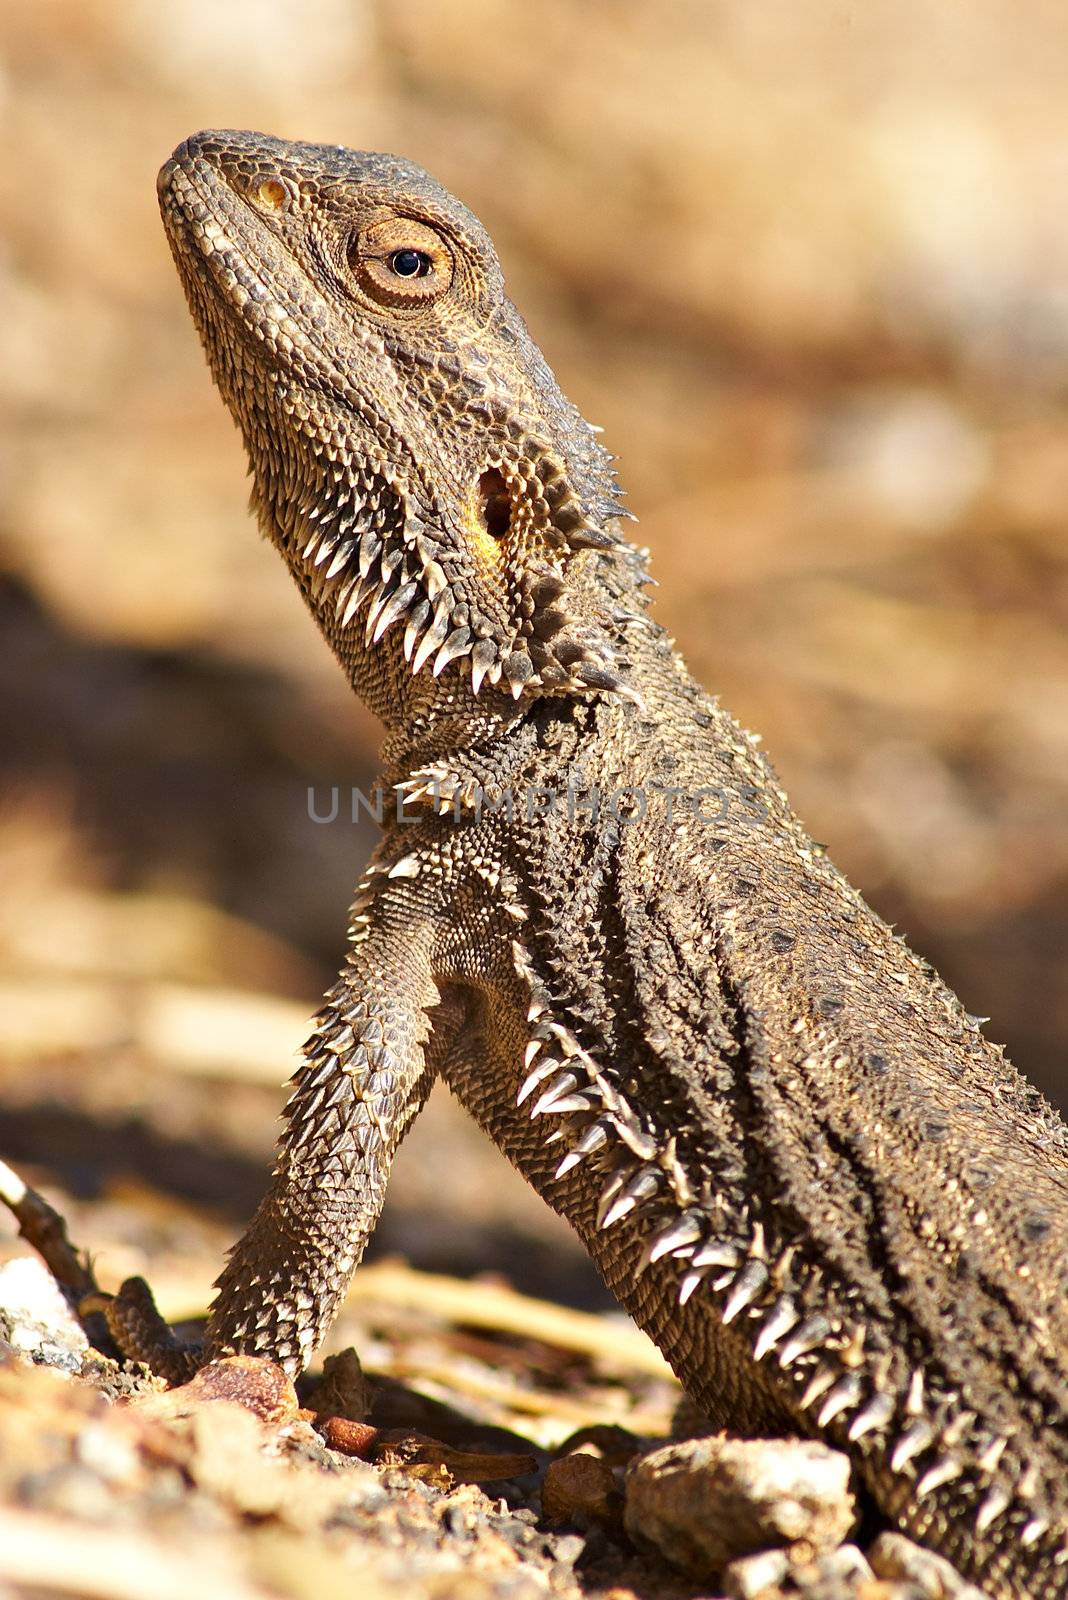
230 263
216 235
209 226
193 205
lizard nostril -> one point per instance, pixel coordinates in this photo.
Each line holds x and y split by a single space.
495 502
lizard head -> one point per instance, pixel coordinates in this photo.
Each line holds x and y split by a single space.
447 513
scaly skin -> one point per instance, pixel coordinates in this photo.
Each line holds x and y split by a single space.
832 1203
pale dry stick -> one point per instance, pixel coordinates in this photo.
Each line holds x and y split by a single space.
131 1316
41 1225
503 1310
547 1415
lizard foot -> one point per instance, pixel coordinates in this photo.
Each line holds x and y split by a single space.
135 1324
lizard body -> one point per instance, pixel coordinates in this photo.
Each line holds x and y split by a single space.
794 1158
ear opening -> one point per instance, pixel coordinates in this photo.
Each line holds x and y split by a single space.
495 502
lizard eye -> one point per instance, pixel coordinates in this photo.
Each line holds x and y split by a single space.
411 263
400 262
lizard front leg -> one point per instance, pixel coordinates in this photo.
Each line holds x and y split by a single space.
367 1070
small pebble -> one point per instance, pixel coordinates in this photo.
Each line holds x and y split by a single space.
750 1576
892 1556
704 1502
578 1490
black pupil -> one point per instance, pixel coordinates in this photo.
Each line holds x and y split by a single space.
410 263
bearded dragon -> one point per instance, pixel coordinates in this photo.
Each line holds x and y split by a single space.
797 1162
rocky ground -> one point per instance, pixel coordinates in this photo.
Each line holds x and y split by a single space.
492 1446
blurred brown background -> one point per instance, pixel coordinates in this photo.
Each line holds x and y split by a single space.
807 265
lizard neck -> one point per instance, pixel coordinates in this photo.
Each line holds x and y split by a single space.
364 575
